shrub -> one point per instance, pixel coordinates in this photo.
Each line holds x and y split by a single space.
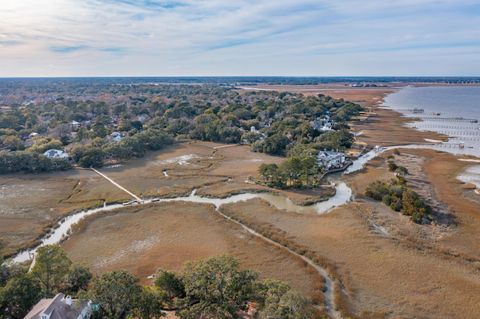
401 199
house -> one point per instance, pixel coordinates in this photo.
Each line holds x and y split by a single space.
53 153
61 307
143 118
32 135
331 159
74 126
322 124
116 136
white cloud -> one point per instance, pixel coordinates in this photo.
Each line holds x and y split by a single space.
195 37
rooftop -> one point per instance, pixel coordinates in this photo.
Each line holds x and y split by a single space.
59 307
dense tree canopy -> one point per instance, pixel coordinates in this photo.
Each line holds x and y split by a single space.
116 293
216 288
51 267
149 117
19 295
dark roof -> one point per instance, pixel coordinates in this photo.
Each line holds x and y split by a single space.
57 308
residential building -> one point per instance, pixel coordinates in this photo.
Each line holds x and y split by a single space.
331 159
322 124
116 136
74 125
61 307
53 153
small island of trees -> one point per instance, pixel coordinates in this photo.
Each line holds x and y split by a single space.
400 198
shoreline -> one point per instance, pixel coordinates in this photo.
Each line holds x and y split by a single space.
351 236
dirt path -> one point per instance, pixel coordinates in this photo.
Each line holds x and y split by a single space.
329 292
117 185
330 306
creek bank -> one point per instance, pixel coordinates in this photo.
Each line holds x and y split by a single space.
343 194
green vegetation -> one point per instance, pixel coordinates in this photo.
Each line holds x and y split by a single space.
279 301
23 161
336 140
116 293
213 288
294 172
51 267
139 118
299 170
401 199
393 167
220 296
18 296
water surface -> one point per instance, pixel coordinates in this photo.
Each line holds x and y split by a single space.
444 106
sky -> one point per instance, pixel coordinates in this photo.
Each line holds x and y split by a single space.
239 37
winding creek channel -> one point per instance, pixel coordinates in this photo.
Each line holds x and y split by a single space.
343 195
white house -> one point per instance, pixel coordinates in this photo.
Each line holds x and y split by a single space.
61 307
116 136
331 159
322 124
74 125
53 153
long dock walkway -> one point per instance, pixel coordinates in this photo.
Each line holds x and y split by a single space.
117 185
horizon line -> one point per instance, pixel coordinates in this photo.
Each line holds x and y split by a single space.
239 76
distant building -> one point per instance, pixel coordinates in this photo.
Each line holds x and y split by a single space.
74 125
32 135
61 307
322 124
116 136
53 153
331 159
143 118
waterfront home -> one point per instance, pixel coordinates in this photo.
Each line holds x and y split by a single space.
53 153
331 159
61 307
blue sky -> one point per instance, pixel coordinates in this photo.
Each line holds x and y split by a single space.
242 37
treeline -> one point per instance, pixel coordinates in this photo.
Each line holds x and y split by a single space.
91 155
301 169
95 154
213 288
292 173
271 122
23 161
400 198
205 112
